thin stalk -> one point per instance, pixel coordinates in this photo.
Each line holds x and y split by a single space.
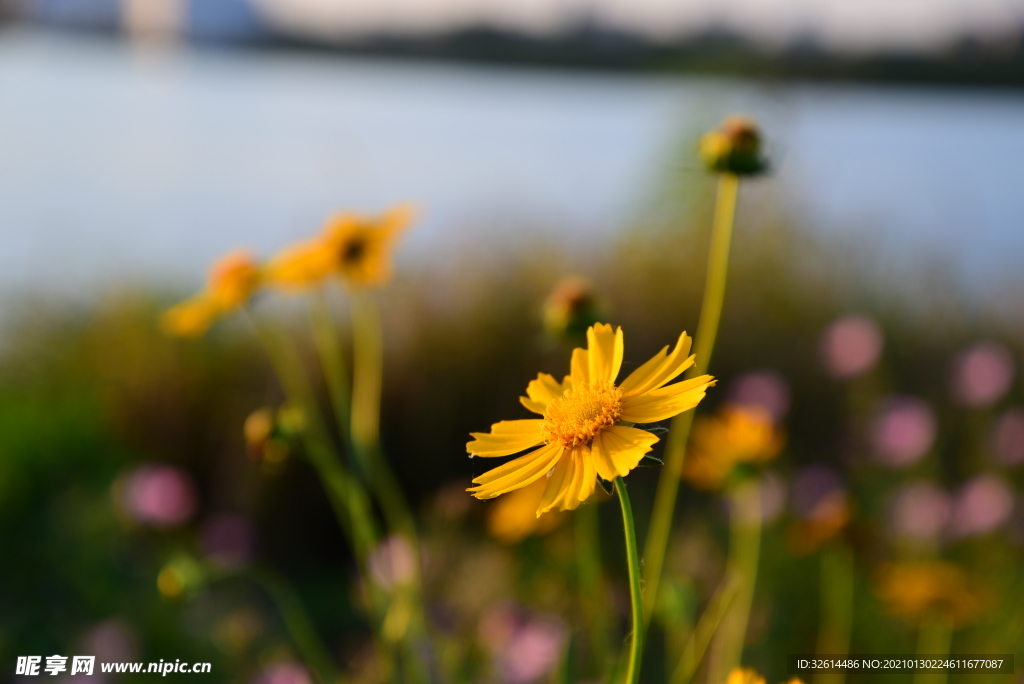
347 498
332 360
706 627
296 619
635 591
836 606
367 380
367 383
704 344
934 638
744 553
588 557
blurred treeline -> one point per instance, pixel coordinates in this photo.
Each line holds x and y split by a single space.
90 395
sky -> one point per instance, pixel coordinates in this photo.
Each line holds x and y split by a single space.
847 24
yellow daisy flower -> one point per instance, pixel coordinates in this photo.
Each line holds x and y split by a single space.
233 280
581 434
744 675
930 589
736 434
354 247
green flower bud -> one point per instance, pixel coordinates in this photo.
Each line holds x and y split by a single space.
735 147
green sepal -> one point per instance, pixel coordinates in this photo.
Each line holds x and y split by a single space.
650 462
606 486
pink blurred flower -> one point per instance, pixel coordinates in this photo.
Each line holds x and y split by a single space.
159 495
981 505
228 540
921 511
111 641
982 374
283 673
1008 437
851 346
766 389
393 562
903 431
525 646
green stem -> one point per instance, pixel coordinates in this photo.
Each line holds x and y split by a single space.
635 591
744 553
296 619
836 606
704 344
706 627
935 636
588 556
348 499
367 383
332 360
368 371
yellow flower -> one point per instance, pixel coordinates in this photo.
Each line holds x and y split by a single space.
581 433
748 675
513 518
233 280
737 434
356 248
916 590
744 675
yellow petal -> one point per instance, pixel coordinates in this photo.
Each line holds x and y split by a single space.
542 391
571 482
395 221
660 369
665 402
579 367
300 266
584 486
618 449
517 473
558 483
605 352
191 318
506 438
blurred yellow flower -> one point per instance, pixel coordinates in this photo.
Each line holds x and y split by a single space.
581 434
514 517
748 675
356 248
736 434
929 589
232 281
744 675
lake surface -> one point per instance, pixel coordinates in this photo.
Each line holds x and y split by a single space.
117 166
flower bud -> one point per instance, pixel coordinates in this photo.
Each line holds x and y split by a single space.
570 309
735 147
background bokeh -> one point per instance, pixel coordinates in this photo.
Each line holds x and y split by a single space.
873 308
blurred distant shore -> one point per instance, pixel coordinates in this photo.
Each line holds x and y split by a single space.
971 59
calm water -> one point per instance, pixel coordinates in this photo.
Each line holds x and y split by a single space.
120 167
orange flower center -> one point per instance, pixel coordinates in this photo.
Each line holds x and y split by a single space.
581 413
